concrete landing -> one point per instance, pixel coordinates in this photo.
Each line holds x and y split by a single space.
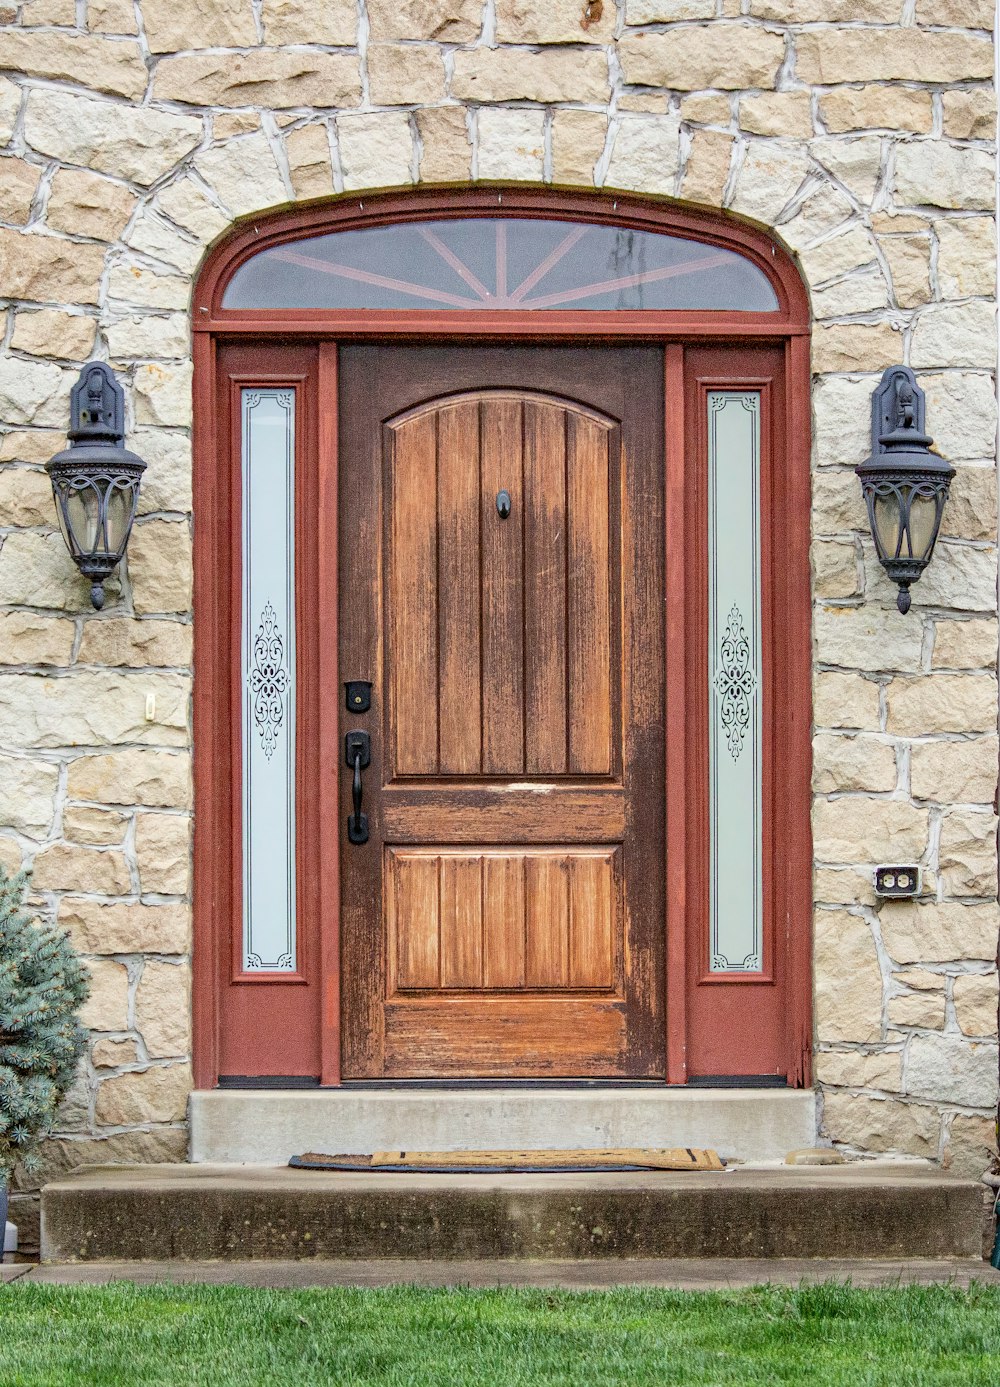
197 1213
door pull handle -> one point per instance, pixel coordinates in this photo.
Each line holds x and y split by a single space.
358 753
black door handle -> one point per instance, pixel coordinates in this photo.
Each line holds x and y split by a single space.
358 753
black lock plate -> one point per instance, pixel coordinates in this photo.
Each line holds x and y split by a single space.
354 743
358 695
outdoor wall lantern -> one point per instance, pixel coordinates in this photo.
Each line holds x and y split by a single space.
95 481
904 484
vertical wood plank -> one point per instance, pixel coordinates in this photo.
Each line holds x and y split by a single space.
503 595
547 910
589 597
413 596
545 692
591 919
458 588
461 921
503 921
414 900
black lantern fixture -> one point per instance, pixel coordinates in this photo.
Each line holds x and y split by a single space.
904 483
95 481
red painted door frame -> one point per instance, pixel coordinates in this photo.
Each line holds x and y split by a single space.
787 616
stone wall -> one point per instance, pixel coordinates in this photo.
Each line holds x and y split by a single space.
861 130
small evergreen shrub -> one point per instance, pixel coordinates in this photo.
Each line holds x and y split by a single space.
43 985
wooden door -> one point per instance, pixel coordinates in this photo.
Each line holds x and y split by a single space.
505 916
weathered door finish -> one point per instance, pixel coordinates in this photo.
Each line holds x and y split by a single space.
501 583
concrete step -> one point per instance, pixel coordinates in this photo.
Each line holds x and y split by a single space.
868 1210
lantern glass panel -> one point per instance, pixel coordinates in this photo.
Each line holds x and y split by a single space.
923 524
83 515
887 523
119 515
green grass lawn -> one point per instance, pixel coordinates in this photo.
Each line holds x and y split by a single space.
828 1336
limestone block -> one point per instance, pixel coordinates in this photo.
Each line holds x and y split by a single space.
27 639
277 77
405 74
111 17
168 1144
140 644
160 566
843 886
770 177
66 867
375 150
18 182
163 394
106 66
826 11
32 446
955 772
969 115
51 332
837 506
445 147
955 334
10 104
857 163
663 11
10 855
511 144
49 269
787 115
835 569
857 293
845 109
976 1003
137 143
92 708
25 497
938 932
819 213
163 1009
163 852
841 422
555 21
457 21
921 980
125 928
859 829
186 204
112 1054
970 1145
967 257
845 700
166 482
160 779
881 1124
154 1095
643 102
173 25
971 510
853 346
932 173
107 1007
852 763
516 74
962 412
707 170
129 284
963 14
228 125
968 644
848 982
826 56
731 57
850 1069
150 235
868 639
28 800
920 1010
94 826
645 154
952 1071
578 139
845 250
87 204
150 335
909 259
309 166
243 174
333 22
941 703
958 576
36 570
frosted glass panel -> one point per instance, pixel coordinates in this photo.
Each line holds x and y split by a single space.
734 663
491 263
268 655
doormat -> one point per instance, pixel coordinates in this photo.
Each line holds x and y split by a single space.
516 1162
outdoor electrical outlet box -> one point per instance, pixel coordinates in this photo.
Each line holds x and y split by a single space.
897 881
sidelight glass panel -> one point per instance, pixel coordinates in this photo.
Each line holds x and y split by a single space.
734 671
268 666
496 263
